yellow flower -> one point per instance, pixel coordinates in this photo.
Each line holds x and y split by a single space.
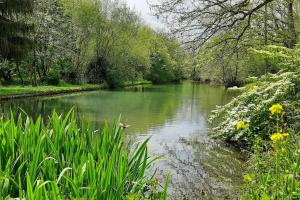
248 178
275 137
276 109
241 125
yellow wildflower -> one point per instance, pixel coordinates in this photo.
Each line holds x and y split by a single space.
276 109
241 125
248 178
275 137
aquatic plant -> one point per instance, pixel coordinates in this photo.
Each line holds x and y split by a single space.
65 159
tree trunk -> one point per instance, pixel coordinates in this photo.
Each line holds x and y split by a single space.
33 69
266 25
292 34
266 39
43 67
19 73
236 67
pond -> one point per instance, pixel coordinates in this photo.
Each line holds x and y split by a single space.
175 117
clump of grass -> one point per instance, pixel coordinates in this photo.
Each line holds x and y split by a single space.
275 164
64 159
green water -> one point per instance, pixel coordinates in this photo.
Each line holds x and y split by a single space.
175 117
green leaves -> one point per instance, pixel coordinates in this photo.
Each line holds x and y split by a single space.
63 159
279 56
252 106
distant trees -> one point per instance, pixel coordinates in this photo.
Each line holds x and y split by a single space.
54 39
101 41
117 47
167 60
15 42
14 31
222 32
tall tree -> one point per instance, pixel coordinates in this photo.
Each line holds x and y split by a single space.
13 32
197 21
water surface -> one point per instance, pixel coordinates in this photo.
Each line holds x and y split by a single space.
175 117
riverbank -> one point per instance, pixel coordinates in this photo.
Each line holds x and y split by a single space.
17 92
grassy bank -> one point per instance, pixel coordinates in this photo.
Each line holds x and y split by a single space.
13 91
136 83
64 159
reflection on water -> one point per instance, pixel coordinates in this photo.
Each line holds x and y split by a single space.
175 118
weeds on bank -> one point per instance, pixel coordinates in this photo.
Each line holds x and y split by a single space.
275 164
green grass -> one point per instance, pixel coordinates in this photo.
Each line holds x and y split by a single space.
141 82
64 159
15 90
20 90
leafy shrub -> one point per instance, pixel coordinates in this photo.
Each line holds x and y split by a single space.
274 170
6 72
161 70
63 159
53 78
249 80
252 107
279 56
116 77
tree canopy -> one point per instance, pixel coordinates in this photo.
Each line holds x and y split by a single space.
13 35
91 41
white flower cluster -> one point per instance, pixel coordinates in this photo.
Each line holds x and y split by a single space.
252 106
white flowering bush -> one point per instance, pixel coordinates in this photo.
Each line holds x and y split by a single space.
252 108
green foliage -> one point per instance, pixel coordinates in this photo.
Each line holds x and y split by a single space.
64 159
53 78
6 71
252 107
55 40
116 77
167 60
281 57
88 42
274 170
14 40
221 64
161 68
12 90
115 45
267 43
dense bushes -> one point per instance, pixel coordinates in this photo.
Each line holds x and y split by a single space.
62 159
252 107
161 70
99 41
53 78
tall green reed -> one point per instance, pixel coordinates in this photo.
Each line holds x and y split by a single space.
64 159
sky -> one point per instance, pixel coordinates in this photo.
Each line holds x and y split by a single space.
142 7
